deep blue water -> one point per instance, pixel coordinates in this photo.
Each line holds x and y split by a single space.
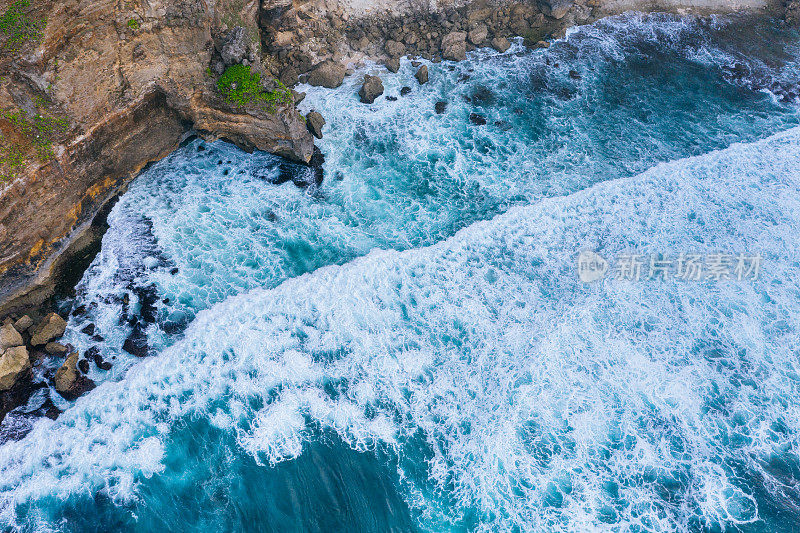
407 347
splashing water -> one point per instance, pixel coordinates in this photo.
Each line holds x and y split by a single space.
465 382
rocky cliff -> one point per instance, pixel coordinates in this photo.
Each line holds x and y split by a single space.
91 91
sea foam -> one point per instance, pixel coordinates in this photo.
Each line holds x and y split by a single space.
529 399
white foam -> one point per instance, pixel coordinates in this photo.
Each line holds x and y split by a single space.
532 390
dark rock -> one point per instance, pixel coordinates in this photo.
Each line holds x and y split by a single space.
391 98
422 75
174 271
370 89
136 343
314 123
440 107
477 119
93 353
405 91
89 329
574 74
83 366
289 76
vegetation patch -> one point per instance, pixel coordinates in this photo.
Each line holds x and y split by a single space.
34 134
18 27
242 87
133 24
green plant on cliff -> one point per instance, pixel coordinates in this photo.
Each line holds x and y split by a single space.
242 87
133 24
11 160
18 27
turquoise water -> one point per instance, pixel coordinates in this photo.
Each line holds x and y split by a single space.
407 346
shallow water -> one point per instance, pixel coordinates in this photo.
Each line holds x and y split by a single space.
434 379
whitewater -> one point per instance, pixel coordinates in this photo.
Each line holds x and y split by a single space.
415 348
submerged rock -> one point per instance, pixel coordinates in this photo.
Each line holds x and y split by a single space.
328 74
440 107
50 328
314 123
477 119
405 91
422 75
14 362
136 343
370 89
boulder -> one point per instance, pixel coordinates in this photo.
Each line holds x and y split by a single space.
69 383
14 362
501 44
314 123
328 74
422 75
556 8
478 34
405 91
440 107
50 328
392 64
9 337
454 46
394 49
370 89
56 348
67 374
234 47
23 323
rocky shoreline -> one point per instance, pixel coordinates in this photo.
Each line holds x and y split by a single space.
123 89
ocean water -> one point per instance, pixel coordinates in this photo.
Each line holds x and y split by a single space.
406 346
